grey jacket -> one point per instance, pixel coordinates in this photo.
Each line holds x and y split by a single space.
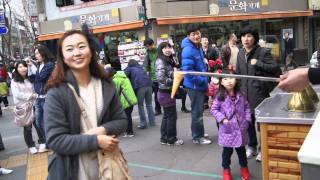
164 73
62 126
255 90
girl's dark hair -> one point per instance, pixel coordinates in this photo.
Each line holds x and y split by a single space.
58 74
222 90
44 52
133 63
160 47
250 30
16 75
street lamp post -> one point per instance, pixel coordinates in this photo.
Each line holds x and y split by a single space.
145 20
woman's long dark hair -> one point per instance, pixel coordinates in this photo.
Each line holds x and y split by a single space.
44 52
222 90
58 74
16 75
160 55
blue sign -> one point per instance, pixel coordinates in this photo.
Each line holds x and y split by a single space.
3 30
1 17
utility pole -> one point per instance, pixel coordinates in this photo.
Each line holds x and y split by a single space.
145 20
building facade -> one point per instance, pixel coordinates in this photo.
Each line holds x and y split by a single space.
120 20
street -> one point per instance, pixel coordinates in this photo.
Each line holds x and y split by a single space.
147 159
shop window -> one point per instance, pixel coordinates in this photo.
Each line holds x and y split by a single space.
61 3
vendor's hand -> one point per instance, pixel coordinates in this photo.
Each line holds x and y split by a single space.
254 61
107 143
225 121
97 131
294 81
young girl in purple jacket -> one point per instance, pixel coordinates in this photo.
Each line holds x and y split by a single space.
232 112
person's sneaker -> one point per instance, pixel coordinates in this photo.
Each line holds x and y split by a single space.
2 148
141 127
227 174
130 135
178 142
5 171
185 110
202 141
206 135
251 152
125 135
157 113
33 150
6 107
42 148
259 157
162 142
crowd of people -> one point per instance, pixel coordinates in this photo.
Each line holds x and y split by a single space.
107 94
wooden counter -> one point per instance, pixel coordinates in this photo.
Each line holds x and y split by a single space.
280 144
282 135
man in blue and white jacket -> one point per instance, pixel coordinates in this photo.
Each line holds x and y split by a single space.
193 60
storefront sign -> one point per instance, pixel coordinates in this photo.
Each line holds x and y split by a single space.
241 5
314 4
93 19
89 4
97 19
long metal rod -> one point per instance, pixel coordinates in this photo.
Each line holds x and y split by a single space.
261 78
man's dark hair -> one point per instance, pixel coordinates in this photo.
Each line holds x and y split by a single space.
148 42
192 28
250 30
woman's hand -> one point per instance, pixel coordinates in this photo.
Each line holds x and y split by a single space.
225 121
107 143
97 131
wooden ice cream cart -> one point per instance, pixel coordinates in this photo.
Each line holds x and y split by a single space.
282 134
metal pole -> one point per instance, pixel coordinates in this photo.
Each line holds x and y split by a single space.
145 19
261 78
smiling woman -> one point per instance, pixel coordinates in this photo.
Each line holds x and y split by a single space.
79 135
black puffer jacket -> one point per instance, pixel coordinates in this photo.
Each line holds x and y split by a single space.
164 73
255 90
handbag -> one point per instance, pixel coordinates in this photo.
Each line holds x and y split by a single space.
112 165
24 113
181 93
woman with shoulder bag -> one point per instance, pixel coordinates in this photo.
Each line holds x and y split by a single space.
165 65
24 97
83 115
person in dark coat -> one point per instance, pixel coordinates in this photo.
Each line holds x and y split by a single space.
288 51
255 61
229 53
165 65
142 85
75 147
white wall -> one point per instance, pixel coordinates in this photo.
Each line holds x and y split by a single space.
53 12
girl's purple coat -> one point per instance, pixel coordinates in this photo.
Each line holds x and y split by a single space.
234 133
